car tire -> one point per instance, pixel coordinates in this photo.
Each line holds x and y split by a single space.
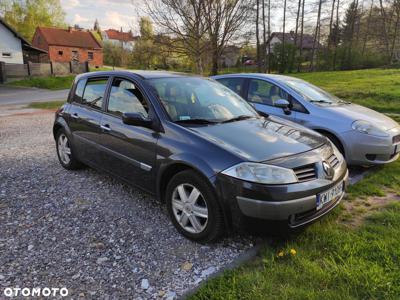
65 152
193 208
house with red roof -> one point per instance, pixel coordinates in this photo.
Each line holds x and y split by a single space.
118 37
69 45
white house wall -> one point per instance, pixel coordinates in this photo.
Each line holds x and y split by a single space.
10 44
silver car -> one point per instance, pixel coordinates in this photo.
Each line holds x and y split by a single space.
363 135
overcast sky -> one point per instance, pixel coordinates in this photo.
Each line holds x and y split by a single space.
110 13
125 13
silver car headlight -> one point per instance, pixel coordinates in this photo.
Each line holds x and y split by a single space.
261 173
368 128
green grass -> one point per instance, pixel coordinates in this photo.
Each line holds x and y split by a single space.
332 262
378 89
46 105
51 83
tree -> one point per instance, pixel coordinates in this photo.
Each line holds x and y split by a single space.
258 35
184 22
301 37
26 15
283 54
145 49
224 20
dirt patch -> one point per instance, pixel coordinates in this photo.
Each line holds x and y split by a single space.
358 209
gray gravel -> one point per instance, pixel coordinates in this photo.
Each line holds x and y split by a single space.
86 231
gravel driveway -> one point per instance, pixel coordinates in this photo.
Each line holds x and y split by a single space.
86 231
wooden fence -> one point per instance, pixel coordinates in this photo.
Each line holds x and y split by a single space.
9 72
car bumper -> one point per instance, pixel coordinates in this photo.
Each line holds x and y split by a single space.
298 212
295 203
368 149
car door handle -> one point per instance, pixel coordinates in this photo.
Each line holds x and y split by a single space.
105 127
75 116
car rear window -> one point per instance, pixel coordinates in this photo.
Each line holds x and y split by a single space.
93 94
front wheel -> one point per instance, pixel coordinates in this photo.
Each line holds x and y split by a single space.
193 207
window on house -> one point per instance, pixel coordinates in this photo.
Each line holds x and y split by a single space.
90 55
6 54
60 52
75 55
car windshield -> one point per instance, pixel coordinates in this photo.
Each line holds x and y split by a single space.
200 100
312 93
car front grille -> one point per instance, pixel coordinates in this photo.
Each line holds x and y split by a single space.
305 173
396 139
333 161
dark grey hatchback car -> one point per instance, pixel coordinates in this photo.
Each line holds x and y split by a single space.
200 148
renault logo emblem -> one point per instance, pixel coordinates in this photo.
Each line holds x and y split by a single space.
329 171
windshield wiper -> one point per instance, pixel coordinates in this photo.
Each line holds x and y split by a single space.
238 118
196 121
321 101
344 102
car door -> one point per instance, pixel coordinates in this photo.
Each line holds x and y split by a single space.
84 118
263 94
129 151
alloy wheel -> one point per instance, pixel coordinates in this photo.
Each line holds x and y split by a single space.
189 208
64 150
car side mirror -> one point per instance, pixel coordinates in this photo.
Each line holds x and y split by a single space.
136 119
284 104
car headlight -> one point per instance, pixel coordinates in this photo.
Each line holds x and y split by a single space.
261 173
368 128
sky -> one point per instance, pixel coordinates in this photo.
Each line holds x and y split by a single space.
110 13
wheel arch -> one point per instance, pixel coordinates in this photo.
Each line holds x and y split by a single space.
325 132
60 123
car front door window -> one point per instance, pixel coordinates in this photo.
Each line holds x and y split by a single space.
125 97
264 92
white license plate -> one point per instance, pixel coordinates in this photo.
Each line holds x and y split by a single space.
329 195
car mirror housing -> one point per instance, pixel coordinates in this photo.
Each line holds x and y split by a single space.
284 104
136 119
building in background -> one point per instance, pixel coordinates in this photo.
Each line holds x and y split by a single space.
69 45
277 38
14 49
125 39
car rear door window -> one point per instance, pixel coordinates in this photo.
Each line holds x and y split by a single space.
235 84
94 92
264 92
80 87
125 97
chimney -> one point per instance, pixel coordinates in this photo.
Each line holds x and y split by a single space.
121 28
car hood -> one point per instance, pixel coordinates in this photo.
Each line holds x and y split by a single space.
357 112
261 139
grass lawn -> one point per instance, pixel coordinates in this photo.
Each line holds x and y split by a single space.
51 83
46 105
333 260
378 89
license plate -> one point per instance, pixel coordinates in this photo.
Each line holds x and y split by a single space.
329 195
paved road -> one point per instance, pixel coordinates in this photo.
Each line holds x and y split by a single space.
16 95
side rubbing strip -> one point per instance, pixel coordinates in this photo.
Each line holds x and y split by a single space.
145 167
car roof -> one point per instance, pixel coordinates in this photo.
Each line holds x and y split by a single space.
140 73
274 77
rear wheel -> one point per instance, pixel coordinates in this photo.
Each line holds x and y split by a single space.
65 152
193 207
